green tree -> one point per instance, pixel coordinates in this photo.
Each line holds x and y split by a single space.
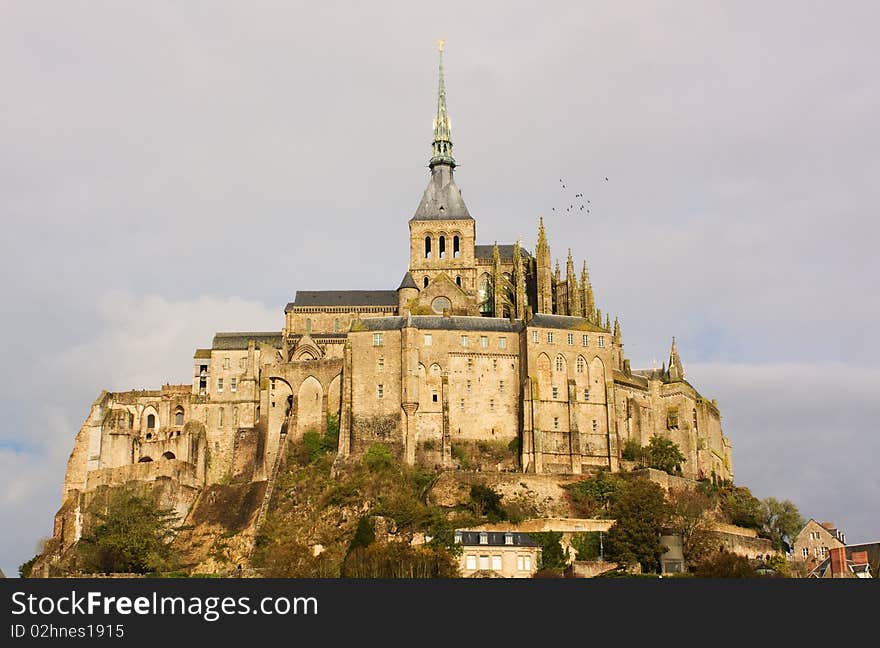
640 512
781 522
663 454
588 545
740 507
592 497
552 554
687 519
485 501
132 535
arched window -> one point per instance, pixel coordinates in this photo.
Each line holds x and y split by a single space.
426 282
560 363
487 306
441 249
427 247
458 281
456 249
178 416
168 455
144 459
151 421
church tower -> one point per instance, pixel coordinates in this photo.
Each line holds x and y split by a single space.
442 233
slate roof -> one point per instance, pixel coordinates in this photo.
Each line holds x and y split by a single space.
442 198
635 380
504 251
238 341
407 282
495 538
439 323
316 298
546 320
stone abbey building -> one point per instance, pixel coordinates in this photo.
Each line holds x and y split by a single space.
481 344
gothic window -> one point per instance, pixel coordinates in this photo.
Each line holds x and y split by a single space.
151 421
456 250
696 427
458 281
427 248
485 295
435 370
235 416
441 248
425 282
178 416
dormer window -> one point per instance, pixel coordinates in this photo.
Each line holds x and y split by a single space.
508 538
484 538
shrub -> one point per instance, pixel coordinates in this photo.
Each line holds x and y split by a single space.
590 497
485 501
632 451
378 458
132 535
724 564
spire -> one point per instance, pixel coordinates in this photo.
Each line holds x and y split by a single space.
542 235
588 302
607 322
676 370
441 148
574 297
617 336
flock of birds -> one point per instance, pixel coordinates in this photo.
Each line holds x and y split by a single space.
578 205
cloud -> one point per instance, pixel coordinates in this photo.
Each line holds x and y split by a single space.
137 342
800 432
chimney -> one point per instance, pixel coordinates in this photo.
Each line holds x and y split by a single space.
838 562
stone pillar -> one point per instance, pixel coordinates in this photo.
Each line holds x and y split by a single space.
324 407
446 439
410 438
345 409
574 437
613 458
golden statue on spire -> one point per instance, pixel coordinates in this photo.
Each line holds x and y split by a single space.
440 44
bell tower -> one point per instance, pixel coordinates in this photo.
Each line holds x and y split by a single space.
442 233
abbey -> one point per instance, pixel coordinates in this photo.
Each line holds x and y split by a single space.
483 344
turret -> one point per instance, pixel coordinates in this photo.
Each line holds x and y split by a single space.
676 370
406 292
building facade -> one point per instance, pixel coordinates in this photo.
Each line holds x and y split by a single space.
482 344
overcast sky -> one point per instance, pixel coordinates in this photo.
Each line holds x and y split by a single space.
172 169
